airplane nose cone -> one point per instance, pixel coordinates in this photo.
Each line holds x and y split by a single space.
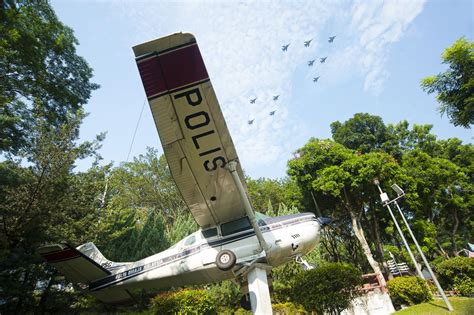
323 221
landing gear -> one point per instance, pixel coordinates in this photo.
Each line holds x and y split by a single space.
306 265
245 302
225 260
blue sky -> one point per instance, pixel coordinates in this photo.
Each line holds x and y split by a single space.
375 64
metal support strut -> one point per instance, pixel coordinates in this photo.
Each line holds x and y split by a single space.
257 275
232 167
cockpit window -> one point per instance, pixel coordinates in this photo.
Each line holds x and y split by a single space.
209 232
190 240
235 226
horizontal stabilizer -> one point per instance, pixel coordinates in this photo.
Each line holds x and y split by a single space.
77 267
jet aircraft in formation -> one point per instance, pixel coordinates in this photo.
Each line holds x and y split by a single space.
307 43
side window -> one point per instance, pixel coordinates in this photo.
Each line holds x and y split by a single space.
190 240
235 226
209 233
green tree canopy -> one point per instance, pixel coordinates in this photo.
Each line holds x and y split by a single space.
42 76
455 86
363 132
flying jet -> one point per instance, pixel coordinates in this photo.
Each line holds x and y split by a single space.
310 63
307 43
275 98
272 112
315 79
233 240
250 122
323 60
331 39
252 101
285 47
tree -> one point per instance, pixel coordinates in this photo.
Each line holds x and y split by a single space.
343 182
42 76
329 288
363 132
266 194
455 86
43 203
143 210
44 85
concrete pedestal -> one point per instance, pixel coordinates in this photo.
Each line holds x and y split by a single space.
259 292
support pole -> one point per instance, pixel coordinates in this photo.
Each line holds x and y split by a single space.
383 196
258 291
418 270
438 286
232 167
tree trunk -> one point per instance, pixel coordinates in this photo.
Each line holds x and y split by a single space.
365 247
455 229
45 295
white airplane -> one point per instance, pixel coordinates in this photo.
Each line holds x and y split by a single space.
203 162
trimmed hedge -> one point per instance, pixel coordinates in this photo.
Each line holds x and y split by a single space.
409 290
328 288
184 302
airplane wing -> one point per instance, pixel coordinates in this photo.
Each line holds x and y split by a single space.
192 130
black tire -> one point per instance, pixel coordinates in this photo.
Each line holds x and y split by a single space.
245 302
225 260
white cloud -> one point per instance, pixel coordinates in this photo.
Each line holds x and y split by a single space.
241 45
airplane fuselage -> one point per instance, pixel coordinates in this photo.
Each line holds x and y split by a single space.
192 260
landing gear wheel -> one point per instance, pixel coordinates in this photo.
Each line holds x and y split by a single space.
245 302
225 260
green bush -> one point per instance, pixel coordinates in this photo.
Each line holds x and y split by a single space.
457 274
184 302
287 309
328 288
409 290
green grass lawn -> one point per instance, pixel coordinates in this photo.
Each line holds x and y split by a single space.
461 305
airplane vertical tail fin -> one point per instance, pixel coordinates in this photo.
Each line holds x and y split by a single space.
91 251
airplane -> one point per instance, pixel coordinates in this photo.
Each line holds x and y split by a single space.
323 60
285 47
331 39
310 63
307 43
252 101
250 122
275 98
233 240
315 79
272 112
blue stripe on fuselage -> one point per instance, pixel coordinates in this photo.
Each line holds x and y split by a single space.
275 224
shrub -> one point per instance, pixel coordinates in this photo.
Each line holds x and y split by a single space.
328 288
457 274
287 309
409 290
184 302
